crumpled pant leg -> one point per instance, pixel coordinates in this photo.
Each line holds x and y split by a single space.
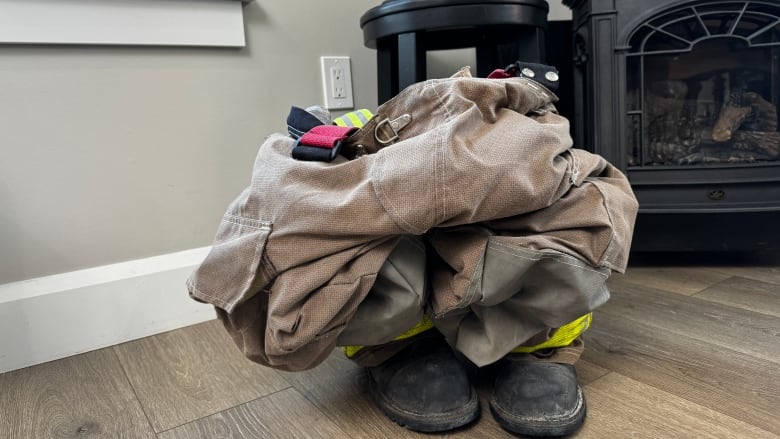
396 301
537 348
518 300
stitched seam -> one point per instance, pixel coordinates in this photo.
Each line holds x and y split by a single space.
304 341
213 300
386 202
268 267
249 222
557 257
439 159
468 298
611 249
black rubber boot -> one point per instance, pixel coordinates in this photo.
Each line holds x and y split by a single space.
424 388
537 398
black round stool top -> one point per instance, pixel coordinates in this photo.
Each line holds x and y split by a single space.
395 17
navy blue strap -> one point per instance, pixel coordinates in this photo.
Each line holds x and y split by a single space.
299 121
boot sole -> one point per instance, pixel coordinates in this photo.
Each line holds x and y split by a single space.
428 423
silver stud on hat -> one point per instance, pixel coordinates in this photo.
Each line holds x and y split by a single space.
528 72
551 76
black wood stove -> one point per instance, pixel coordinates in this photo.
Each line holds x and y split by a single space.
683 97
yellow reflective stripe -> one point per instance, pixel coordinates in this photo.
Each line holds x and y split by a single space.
423 326
350 351
563 336
356 118
365 115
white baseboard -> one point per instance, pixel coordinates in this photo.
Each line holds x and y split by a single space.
53 317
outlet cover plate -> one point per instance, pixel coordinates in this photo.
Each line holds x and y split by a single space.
337 82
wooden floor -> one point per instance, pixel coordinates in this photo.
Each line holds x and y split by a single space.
688 347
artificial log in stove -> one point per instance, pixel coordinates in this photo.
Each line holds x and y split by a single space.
683 96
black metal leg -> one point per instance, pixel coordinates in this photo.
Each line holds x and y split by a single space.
387 74
411 59
487 61
532 48
497 51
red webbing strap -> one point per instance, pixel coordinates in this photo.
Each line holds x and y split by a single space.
325 136
499 74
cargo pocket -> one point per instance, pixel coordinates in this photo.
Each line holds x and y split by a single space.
232 272
523 291
558 287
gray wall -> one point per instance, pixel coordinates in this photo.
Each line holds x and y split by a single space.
558 11
118 153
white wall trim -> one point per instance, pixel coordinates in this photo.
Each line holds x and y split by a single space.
143 22
53 317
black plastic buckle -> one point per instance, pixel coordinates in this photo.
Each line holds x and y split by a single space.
542 73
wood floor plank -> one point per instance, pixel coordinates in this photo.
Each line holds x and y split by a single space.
338 387
674 279
588 372
336 364
193 372
83 396
744 293
683 349
770 274
619 407
738 385
344 399
286 414
732 328
762 267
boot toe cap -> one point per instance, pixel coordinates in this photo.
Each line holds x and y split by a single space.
425 390
538 399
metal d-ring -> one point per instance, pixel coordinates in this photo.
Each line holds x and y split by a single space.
395 125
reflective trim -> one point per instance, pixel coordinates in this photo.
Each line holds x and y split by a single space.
419 328
357 118
563 336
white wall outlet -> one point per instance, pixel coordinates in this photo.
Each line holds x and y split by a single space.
337 82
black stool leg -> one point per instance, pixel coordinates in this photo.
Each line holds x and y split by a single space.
533 50
488 59
387 73
411 59
496 52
